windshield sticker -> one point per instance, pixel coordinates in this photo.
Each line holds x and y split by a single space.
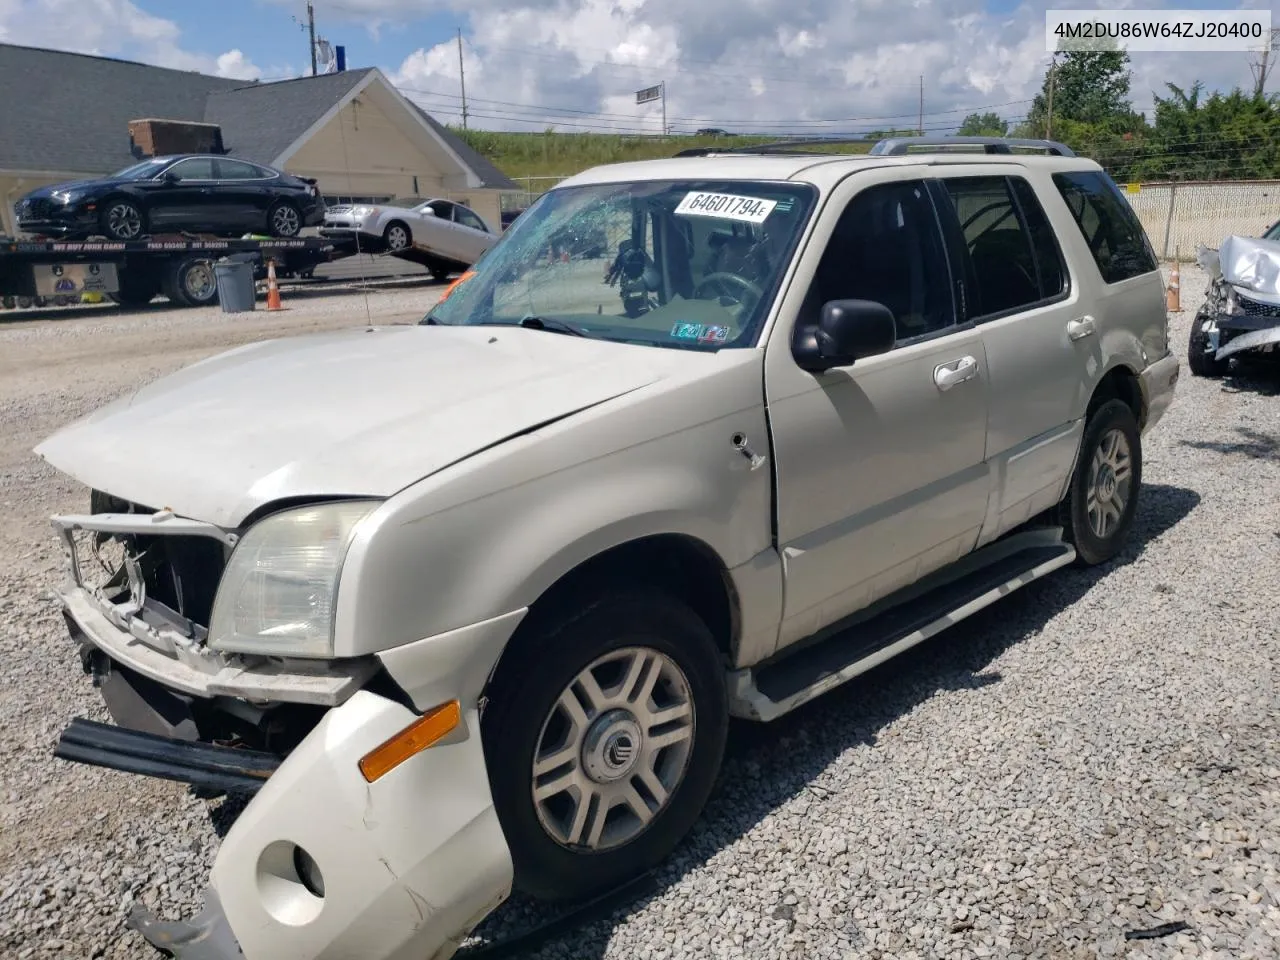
714 335
687 331
726 206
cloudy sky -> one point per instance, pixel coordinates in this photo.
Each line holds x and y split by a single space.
821 66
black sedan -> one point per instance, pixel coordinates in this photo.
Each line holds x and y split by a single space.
190 192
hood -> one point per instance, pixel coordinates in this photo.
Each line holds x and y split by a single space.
1250 265
43 193
362 412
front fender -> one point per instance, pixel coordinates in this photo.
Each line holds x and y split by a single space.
491 534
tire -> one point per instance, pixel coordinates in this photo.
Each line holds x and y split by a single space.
137 288
122 219
1199 359
1097 544
284 220
397 236
191 282
621 633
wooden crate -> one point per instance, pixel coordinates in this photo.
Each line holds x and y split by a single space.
157 138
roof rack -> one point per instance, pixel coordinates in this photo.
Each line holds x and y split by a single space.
891 147
776 147
897 146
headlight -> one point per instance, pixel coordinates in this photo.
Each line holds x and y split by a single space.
364 211
280 588
67 196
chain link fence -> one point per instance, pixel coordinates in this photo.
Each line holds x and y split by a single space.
1180 216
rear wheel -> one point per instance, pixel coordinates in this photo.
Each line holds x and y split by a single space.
602 756
1199 356
1102 499
284 220
191 282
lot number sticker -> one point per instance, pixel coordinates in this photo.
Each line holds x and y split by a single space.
726 206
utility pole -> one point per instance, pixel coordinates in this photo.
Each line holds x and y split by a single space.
1048 122
1262 67
922 104
462 76
664 108
311 29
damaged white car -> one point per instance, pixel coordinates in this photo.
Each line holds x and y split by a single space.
1240 315
468 604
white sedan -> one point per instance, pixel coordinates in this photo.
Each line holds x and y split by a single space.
442 235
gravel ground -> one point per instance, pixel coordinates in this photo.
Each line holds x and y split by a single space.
1098 753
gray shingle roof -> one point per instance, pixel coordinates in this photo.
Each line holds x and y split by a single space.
260 121
69 112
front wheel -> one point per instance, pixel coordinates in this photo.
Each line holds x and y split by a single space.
1102 499
1200 359
122 219
603 737
397 236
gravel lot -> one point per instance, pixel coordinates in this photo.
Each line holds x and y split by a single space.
1098 753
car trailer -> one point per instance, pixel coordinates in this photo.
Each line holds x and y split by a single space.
41 272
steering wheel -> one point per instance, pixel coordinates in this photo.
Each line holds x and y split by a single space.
725 282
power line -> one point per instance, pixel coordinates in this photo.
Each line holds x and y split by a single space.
722 122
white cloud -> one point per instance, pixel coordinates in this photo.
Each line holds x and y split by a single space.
236 65
832 66
116 28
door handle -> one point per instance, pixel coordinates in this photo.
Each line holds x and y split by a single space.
1080 328
947 375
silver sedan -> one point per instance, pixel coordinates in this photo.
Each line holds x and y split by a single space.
443 235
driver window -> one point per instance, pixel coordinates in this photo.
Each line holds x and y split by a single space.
888 247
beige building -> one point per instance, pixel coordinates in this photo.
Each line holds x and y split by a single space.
65 116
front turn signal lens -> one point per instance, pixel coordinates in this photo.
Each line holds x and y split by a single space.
428 729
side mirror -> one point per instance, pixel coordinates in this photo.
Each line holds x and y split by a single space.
847 330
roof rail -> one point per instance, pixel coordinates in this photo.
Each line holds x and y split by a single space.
778 146
897 146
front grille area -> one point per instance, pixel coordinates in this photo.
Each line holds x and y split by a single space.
1256 308
181 572
37 208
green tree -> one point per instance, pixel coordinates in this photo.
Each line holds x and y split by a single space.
1234 136
1088 86
983 125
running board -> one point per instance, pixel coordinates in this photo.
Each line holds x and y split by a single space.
901 621
207 765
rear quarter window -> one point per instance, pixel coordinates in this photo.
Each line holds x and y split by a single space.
1108 224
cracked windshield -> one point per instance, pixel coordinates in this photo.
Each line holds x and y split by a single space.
689 264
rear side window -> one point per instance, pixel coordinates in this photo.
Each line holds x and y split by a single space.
1110 227
1014 263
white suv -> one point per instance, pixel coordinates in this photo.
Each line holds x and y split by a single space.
480 594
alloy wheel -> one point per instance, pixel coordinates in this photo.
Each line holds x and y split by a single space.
124 221
1110 483
285 220
613 750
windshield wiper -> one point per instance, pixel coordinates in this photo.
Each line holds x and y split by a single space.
531 322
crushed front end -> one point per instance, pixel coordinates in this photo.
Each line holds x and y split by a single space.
1241 311
371 830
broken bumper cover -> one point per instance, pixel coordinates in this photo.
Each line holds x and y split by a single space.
404 867
1245 332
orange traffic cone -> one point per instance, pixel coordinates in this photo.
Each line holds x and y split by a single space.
1173 294
273 290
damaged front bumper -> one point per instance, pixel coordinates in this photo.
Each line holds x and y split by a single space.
322 862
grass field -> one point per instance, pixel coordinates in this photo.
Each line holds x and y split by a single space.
526 156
